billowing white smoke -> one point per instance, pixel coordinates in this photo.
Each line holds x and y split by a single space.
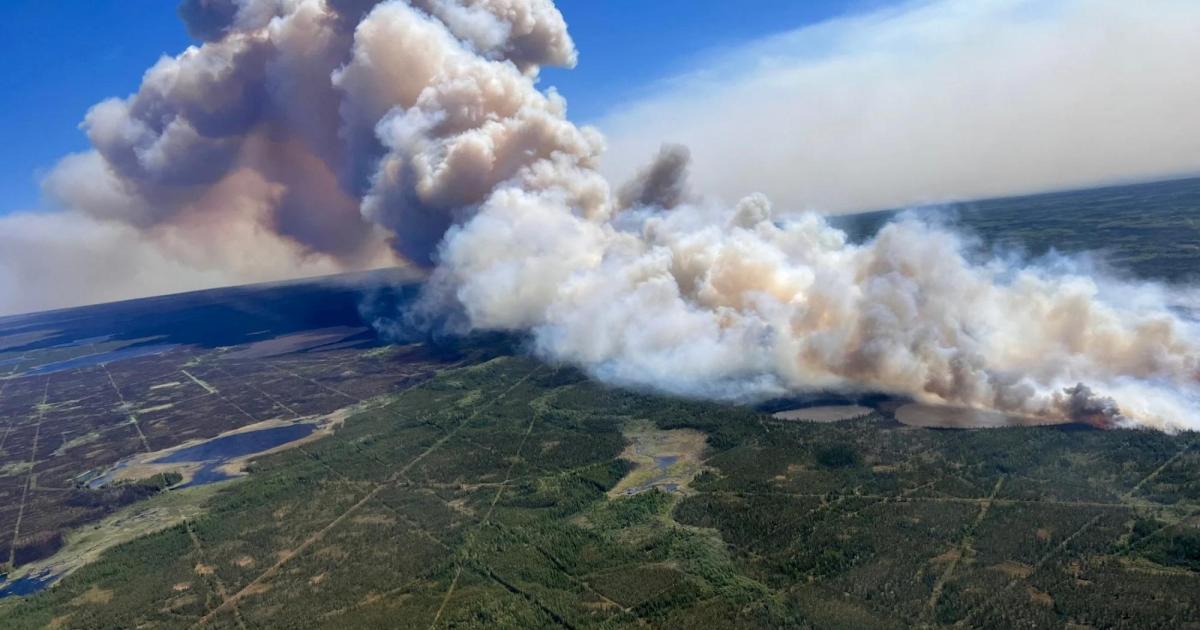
728 303
342 124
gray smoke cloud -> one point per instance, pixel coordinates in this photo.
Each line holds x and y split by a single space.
349 132
1081 404
662 184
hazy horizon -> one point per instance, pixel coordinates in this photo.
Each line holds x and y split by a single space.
950 205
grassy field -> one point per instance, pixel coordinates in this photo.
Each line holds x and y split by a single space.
661 459
481 498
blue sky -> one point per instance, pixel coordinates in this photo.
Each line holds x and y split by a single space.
63 57
66 55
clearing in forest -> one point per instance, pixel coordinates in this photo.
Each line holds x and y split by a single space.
666 459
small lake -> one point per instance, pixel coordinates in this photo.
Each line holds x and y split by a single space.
825 413
214 453
27 585
208 473
238 444
663 462
89 360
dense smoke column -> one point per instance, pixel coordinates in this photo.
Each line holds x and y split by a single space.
362 131
316 122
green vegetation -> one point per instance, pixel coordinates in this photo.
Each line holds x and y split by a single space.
156 483
837 456
481 498
661 459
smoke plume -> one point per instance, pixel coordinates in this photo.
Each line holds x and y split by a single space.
352 132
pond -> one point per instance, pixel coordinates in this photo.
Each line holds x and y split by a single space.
89 360
238 444
26 585
208 473
212 454
663 459
825 413
664 462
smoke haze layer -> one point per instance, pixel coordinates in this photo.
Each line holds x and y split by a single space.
352 133
933 100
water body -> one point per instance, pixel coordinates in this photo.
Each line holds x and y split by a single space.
321 338
215 453
102 479
229 447
829 413
208 473
664 462
26 585
89 360
664 459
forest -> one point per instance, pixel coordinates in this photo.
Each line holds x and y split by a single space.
480 499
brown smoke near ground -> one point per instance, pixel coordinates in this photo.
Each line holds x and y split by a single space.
352 133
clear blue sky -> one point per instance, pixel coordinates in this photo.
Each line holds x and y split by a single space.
65 55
